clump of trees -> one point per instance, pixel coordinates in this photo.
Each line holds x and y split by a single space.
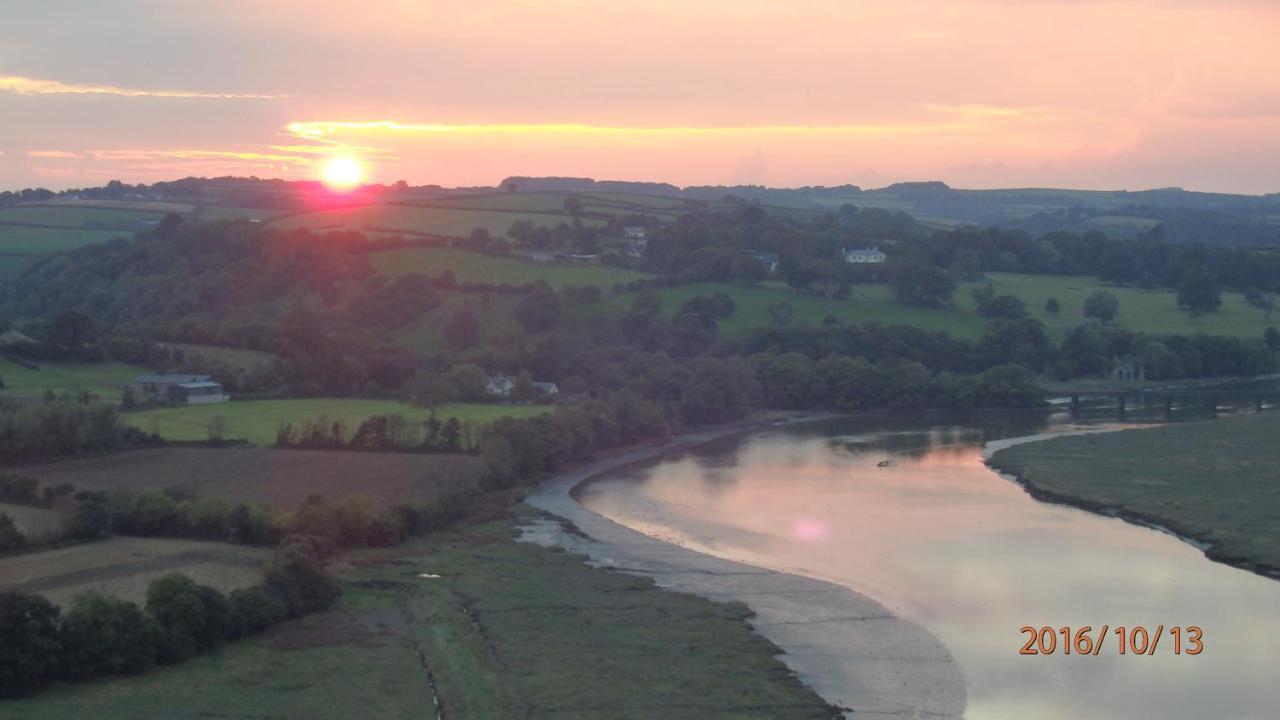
63 427
100 635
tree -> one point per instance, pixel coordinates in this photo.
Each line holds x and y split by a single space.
1051 306
1102 306
922 285
30 647
103 635
175 601
539 311
10 537
1199 293
1272 338
462 330
781 313
1005 307
523 390
468 382
573 205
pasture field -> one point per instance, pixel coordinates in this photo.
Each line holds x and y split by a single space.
232 357
453 222
283 478
123 567
78 216
870 302
258 420
469 266
1152 311
32 241
1213 481
101 378
509 630
34 523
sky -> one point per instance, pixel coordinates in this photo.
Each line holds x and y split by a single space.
1129 94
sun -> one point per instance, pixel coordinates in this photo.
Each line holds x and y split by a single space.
342 173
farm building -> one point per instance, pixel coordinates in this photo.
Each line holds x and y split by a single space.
634 232
769 260
179 389
197 393
873 255
504 385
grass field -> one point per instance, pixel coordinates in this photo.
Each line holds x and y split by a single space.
102 378
283 478
474 267
78 216
510 630
1153 311
1213 481
34 523
123 567
19 240
415 219
232 357
258 420
872 302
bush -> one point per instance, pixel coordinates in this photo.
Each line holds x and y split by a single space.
106 636
10 537
257 608
30 644
175 601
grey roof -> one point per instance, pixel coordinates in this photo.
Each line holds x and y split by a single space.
171 379
198 385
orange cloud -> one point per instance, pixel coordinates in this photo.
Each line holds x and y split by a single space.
33 86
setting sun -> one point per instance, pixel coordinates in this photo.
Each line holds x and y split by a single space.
342 173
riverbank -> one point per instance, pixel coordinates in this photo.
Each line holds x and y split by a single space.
1211 483
847 647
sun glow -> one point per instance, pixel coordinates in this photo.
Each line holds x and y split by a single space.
343 173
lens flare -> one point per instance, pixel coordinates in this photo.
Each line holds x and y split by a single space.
342 173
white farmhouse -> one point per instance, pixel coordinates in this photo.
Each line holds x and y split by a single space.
873 255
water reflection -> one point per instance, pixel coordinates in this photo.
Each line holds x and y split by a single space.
941 539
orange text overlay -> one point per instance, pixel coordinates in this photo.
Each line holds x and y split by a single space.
1121 639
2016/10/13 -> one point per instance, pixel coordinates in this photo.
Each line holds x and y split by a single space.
1136 640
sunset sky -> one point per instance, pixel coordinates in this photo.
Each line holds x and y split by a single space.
978 93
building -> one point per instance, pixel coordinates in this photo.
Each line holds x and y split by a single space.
873 255
769 260
197 393
179 389
634 232
13 338
504 385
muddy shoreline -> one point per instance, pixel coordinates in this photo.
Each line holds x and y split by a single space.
847 647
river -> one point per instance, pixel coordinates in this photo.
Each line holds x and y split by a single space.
941 539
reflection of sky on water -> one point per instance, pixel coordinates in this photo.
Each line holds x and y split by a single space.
941 539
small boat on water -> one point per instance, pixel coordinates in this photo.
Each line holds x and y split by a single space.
885 463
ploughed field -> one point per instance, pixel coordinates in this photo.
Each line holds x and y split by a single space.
123 567
283 478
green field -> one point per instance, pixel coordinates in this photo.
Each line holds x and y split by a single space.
1213 481
103 378
77 216
232 357
415 219
473 267
1152 311
508 630
258 420
19 240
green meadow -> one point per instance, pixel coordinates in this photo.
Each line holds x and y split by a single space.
258 420
103 378
389 219
473 267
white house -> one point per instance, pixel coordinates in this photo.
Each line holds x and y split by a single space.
504 385
198 393
180 389
633 232
769 260
873 255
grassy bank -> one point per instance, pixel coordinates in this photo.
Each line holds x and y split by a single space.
507 630
1212 481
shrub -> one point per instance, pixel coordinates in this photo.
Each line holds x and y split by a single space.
30 644
257 608
103 635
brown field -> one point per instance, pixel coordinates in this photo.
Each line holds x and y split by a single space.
34 523
283 478
123 567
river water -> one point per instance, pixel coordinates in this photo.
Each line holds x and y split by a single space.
941 539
